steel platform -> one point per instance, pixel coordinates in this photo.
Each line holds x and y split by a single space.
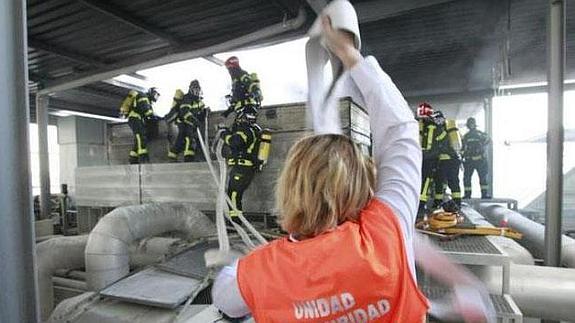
505 308
477 250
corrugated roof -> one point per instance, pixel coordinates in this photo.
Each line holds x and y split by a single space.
459 46
428 47
70 39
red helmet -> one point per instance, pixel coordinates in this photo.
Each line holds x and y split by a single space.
232 62
424 110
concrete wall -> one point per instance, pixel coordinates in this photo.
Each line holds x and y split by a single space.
119 184
82 143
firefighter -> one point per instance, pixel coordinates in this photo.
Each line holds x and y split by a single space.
137 107
474 145
243 143
246 93
448 164
187 112
431 134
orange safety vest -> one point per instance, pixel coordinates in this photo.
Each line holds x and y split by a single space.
357 272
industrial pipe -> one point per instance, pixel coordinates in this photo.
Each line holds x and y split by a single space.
153 250
533 232
540 292
107 255
53 254
517 253
58 255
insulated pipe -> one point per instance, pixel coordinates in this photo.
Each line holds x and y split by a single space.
43 156
554 185
64 253
540 292
17 261
533 232
517 253
54 254
107 256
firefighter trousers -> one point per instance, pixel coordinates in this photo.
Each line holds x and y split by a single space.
185 142
239 180
482 167
427 173
447 173
139 151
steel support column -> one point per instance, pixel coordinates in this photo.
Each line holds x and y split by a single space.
554 195
42 122
17 257
488 110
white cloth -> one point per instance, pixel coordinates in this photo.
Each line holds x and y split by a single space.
397 156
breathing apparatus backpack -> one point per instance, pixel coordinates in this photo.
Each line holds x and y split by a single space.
263 148
453 135
128 103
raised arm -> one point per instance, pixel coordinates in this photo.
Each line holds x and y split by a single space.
395 132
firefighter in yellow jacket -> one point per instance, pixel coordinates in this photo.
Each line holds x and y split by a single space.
137 107
448 165
246 93
432 133
248 150
188 111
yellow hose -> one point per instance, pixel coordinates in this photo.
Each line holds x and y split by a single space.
447 223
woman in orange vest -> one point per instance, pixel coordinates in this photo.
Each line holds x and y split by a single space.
349 256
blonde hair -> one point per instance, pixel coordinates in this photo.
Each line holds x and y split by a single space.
326 181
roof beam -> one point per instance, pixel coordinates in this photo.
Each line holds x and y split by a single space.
213 59
191 51
65 53
123 17
125 85
37 77
60 104
97 92
379 10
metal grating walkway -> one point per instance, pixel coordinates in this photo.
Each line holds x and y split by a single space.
502 307
469 244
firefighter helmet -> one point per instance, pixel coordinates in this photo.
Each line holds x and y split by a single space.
195 88
232 62
471 123
153 94
424 110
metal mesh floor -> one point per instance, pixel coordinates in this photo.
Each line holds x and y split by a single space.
502 307
468 244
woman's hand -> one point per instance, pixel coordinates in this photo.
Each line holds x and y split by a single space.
341 44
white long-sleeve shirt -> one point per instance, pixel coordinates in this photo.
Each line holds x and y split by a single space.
397 155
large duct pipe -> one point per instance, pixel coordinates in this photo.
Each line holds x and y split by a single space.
107 256
517 253
533 232
53 254
541 292
65 253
